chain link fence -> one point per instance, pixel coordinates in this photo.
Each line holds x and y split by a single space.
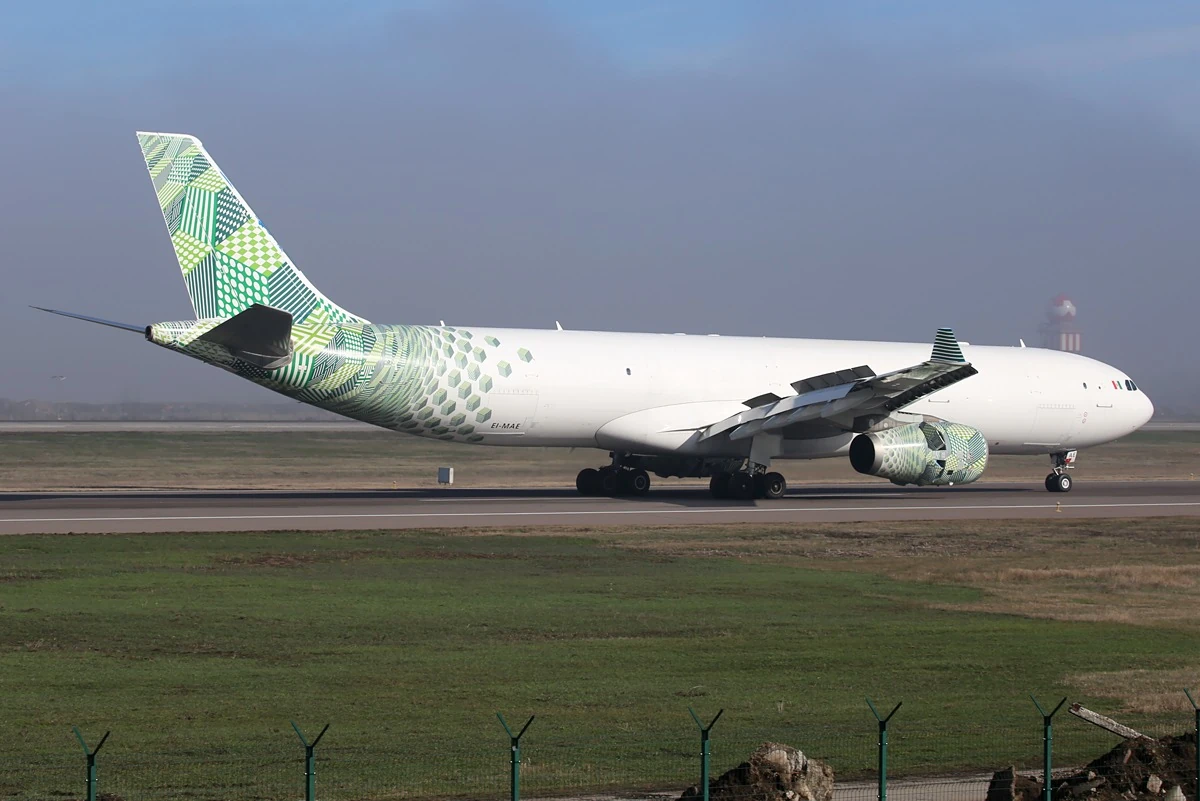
923 761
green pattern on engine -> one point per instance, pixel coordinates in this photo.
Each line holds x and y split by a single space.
931 453
394 376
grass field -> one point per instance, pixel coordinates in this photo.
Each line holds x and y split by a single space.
409 642
360 458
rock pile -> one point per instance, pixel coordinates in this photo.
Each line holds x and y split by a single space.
1136 770
774 772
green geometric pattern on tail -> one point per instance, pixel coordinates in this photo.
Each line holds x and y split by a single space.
228 258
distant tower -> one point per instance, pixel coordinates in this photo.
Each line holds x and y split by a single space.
1059 332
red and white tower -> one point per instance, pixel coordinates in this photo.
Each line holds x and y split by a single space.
1060 332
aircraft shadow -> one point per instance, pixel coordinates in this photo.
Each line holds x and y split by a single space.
691 496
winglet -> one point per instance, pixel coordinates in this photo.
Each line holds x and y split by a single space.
946 349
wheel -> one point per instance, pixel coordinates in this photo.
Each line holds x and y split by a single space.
774 486
718 485
1064 482
636 482
588 481
1052 482
633 482
741 486
610 481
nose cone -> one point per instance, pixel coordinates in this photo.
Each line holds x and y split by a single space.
1145 410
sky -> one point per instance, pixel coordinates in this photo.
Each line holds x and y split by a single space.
865 170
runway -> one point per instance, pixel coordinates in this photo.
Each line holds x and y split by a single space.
132 512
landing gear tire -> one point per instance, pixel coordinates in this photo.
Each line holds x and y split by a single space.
774 486
718 485
635 482
741 487
610 481
1058 482
588 481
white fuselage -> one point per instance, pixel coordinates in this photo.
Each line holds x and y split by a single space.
648 393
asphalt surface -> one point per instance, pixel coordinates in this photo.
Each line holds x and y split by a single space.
126 512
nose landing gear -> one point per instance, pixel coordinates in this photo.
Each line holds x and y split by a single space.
1059 481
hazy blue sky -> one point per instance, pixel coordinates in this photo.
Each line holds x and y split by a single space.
859 170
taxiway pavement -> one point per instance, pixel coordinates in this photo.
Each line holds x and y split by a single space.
130 512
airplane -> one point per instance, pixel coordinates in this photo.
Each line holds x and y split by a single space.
689 406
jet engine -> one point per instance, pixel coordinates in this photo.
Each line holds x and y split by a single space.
922 454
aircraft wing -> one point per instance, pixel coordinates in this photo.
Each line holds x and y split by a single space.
851 399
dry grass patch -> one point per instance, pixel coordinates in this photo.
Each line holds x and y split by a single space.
1113 577
1135 572
363 458
1141 692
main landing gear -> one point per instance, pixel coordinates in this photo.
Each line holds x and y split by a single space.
613 480
731 479
1059 481
743 486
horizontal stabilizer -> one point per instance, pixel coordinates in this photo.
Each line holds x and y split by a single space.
141 329
260 335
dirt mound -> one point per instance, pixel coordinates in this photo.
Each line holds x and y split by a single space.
1146 768
774 772
1135 770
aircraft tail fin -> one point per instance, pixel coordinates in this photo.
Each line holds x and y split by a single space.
229 260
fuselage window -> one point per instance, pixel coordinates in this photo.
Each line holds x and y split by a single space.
628 371
1085 385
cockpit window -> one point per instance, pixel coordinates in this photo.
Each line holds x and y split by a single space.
1130 385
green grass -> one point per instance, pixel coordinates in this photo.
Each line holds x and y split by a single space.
409 642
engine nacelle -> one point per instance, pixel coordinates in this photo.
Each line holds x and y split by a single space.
922 454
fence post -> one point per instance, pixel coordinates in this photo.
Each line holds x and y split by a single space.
1047 744
1197 708
883 744
91 760
704 748
310 761
514 741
